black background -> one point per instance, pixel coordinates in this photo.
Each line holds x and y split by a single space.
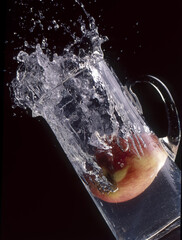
42 198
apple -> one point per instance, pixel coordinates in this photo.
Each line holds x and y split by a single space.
130 165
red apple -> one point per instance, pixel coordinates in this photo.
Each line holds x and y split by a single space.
129 165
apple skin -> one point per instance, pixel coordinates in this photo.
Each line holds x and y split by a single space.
131 172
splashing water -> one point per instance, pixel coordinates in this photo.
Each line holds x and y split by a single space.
72 93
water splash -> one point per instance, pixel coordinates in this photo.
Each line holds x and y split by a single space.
79 96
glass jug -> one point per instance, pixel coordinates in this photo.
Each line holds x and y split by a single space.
99 124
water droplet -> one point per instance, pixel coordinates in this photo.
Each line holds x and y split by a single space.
22 56
31 29
56 26
49 28
26 44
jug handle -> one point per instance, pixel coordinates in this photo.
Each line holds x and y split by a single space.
172 140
